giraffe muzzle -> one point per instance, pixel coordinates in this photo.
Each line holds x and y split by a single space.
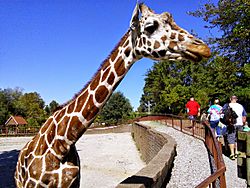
196 52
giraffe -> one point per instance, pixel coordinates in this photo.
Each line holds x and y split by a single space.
50 159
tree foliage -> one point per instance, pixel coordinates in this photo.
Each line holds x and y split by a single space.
53 105
31 107
7 103
231 17
116 109
168 85
28 105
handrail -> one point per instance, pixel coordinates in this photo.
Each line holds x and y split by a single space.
202 131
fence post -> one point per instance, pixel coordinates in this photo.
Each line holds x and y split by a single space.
243 162
181 124
172 121
193 127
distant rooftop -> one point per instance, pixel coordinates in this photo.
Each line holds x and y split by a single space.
16 120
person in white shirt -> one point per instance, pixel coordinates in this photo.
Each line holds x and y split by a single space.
240 121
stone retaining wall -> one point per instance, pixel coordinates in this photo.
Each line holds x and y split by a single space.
158 151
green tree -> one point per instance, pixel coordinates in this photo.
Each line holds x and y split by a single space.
168 85
231 17
4 113
117 109
31 106
53 105
7 103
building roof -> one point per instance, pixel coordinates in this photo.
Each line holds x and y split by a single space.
16 120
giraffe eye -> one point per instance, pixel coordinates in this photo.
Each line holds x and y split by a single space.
150 28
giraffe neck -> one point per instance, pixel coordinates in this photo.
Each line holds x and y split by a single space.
68 124
93 97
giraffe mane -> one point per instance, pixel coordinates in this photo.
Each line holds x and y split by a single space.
99 69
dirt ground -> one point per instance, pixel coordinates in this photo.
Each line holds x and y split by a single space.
106 159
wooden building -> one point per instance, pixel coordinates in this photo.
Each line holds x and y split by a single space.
15 125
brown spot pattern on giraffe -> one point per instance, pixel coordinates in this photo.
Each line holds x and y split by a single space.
71 107
36 170
46 125
164 38
126 43
182 31
28 159
60 147
105 65
81 100
101 94
41 147
51 133
114 55
111 78
105 74
174 26
75 129
90 109
31 184
173 35
180 37
50 179
127 51
68 174
52 162
32 145
140 43
156 45
172 44
60 115
62 126
120 67
95 82
148 43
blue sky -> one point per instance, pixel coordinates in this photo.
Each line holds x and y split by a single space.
54 47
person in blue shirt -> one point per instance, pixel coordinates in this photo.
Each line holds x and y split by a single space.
214 112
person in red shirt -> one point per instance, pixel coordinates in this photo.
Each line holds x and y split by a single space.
193 109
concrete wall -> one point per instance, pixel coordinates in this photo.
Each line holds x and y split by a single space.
158 151
111 129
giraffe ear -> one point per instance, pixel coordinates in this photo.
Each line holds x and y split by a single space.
145 10
134 22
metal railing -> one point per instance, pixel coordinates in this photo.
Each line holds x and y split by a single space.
202 131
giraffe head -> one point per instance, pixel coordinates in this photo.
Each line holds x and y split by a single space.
158 37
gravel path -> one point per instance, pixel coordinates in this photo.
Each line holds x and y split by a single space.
191 164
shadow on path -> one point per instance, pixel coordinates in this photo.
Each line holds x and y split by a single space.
8 160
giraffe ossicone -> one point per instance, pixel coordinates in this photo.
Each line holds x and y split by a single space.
50 159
